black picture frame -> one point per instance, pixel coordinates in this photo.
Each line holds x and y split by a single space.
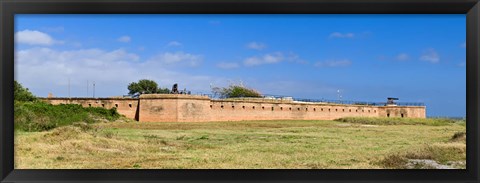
9 8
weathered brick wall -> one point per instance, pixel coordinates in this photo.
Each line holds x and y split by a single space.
229 110
186 108
194 110
402 111
174 107
191 108
157 110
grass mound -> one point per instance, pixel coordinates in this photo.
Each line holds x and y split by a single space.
448 153
399 121
40 116
442 153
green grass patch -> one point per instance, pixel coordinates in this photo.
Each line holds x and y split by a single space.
39 116
401 121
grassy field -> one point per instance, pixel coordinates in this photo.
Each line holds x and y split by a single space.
341 144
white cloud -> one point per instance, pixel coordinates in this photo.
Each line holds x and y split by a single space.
430 55
334 63
228 65
272 58
402 57
178 58
33 37
174 43
45 70
88 57
264 59
76 44
464 45
256 46
462 64
292 57
124 39
341 35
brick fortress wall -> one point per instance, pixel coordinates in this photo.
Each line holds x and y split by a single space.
193 108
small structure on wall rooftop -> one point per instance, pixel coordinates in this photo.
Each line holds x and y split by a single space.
391 101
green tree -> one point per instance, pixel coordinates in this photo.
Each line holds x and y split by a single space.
145 86
22 94
163 90
234 91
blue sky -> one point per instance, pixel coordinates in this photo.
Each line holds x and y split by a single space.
417 58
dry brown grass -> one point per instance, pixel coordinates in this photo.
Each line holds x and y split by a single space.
248 144
450 152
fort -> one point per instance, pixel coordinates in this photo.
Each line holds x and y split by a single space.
196 108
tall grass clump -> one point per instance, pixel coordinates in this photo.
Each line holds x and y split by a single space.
398 121
441 153
444 153
40 116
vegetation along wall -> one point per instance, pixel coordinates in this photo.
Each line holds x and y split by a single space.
125 106
193 108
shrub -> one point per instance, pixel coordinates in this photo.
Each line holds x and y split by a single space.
234 91
22 94
40 116
459 136
31 114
